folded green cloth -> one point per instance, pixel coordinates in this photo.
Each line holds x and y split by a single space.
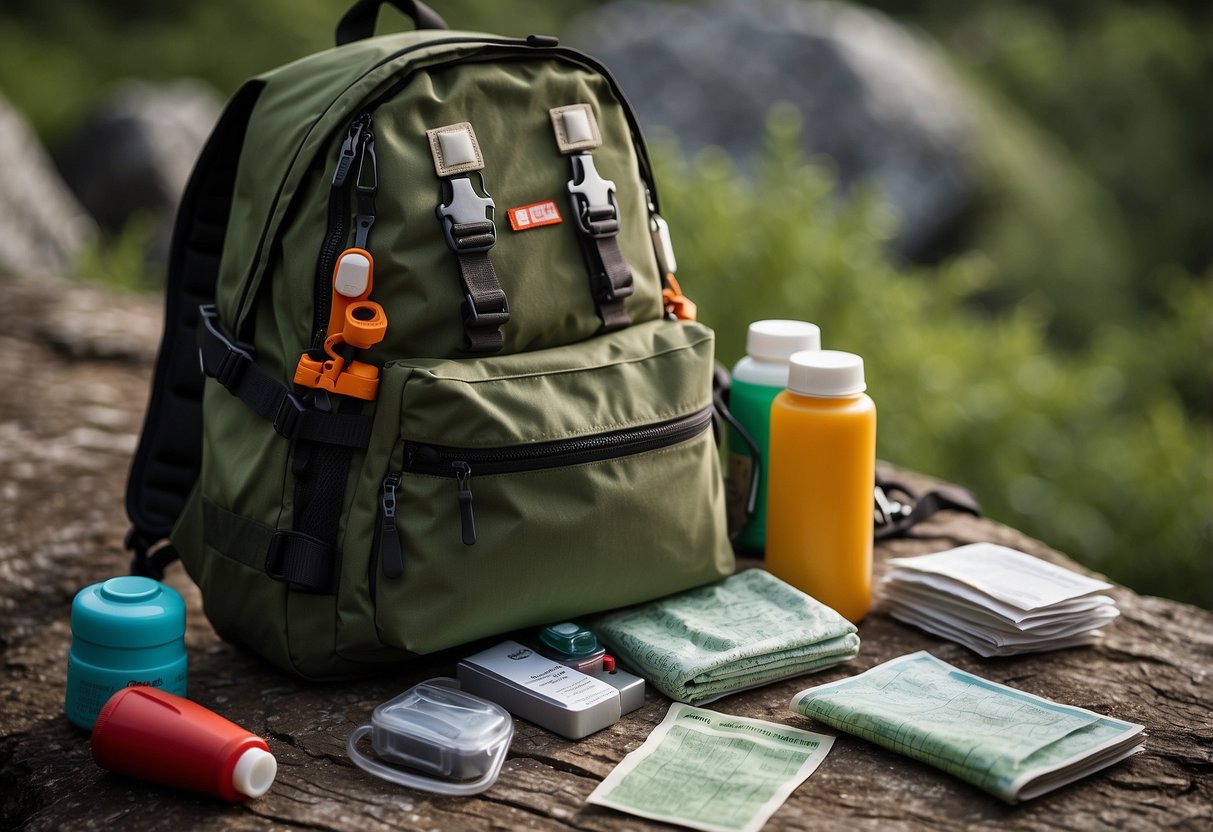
748 630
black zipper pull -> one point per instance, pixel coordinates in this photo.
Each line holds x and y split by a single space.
463 478
389 542
366 182
349 149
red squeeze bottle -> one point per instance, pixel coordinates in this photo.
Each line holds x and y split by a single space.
147 733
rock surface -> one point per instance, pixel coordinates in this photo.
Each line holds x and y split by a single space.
68 424
134 152
876 99
45 228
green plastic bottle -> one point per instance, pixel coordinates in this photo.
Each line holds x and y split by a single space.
757 379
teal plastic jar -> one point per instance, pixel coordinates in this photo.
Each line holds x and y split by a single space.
126 632
757 379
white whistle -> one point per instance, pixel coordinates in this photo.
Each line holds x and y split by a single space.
353 275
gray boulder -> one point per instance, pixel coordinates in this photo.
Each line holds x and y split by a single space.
133 153
875 97
42 227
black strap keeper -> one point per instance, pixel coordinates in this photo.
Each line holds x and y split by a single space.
289 416
304 561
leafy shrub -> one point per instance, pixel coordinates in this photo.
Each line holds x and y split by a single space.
80 46
1091 452
1096 132
1124 88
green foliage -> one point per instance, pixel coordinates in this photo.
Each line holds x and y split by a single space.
1123 87
80 46
121 262
1091 452
1058 238
1093 134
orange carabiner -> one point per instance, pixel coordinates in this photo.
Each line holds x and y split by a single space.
677 305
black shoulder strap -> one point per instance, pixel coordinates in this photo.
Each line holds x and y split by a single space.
167 461
741 504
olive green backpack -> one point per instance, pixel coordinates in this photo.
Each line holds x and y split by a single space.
449 389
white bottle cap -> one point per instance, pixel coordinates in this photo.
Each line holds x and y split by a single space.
826 373
254 772
776 340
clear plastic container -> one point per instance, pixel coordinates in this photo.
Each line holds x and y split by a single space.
454 742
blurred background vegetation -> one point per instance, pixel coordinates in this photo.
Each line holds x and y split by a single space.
1058 362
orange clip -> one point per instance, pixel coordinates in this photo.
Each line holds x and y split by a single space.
677 304
355 323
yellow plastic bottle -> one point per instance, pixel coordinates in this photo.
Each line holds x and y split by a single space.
822 473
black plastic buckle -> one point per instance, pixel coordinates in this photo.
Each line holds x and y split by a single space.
472 317
887 510
467 220
144 562
230 368
275 556
290 413
138 545
593 199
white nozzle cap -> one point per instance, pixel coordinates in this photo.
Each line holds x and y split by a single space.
776 340
353 275
254 772
826 373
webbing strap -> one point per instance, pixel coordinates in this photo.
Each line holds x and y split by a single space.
166 464
311 558
722 415
614 283
485 309
304 561
283 555
232 365
895 519
597 218
470 233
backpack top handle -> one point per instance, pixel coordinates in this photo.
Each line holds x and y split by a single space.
359 22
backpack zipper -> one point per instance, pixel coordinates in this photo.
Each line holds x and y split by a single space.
459 463
537 44
390 554
358 138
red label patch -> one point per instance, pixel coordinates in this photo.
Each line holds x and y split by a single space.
534 215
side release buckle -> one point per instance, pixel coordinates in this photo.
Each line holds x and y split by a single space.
467 219
593 199
228 367
290 410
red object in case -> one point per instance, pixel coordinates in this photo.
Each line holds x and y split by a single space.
147 733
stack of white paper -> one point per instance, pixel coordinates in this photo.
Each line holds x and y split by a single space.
997 601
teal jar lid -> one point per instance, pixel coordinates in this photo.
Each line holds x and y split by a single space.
128 612
569 639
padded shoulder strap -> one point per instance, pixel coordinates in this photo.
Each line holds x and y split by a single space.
169 456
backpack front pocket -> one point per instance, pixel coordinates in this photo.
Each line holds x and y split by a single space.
530 488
